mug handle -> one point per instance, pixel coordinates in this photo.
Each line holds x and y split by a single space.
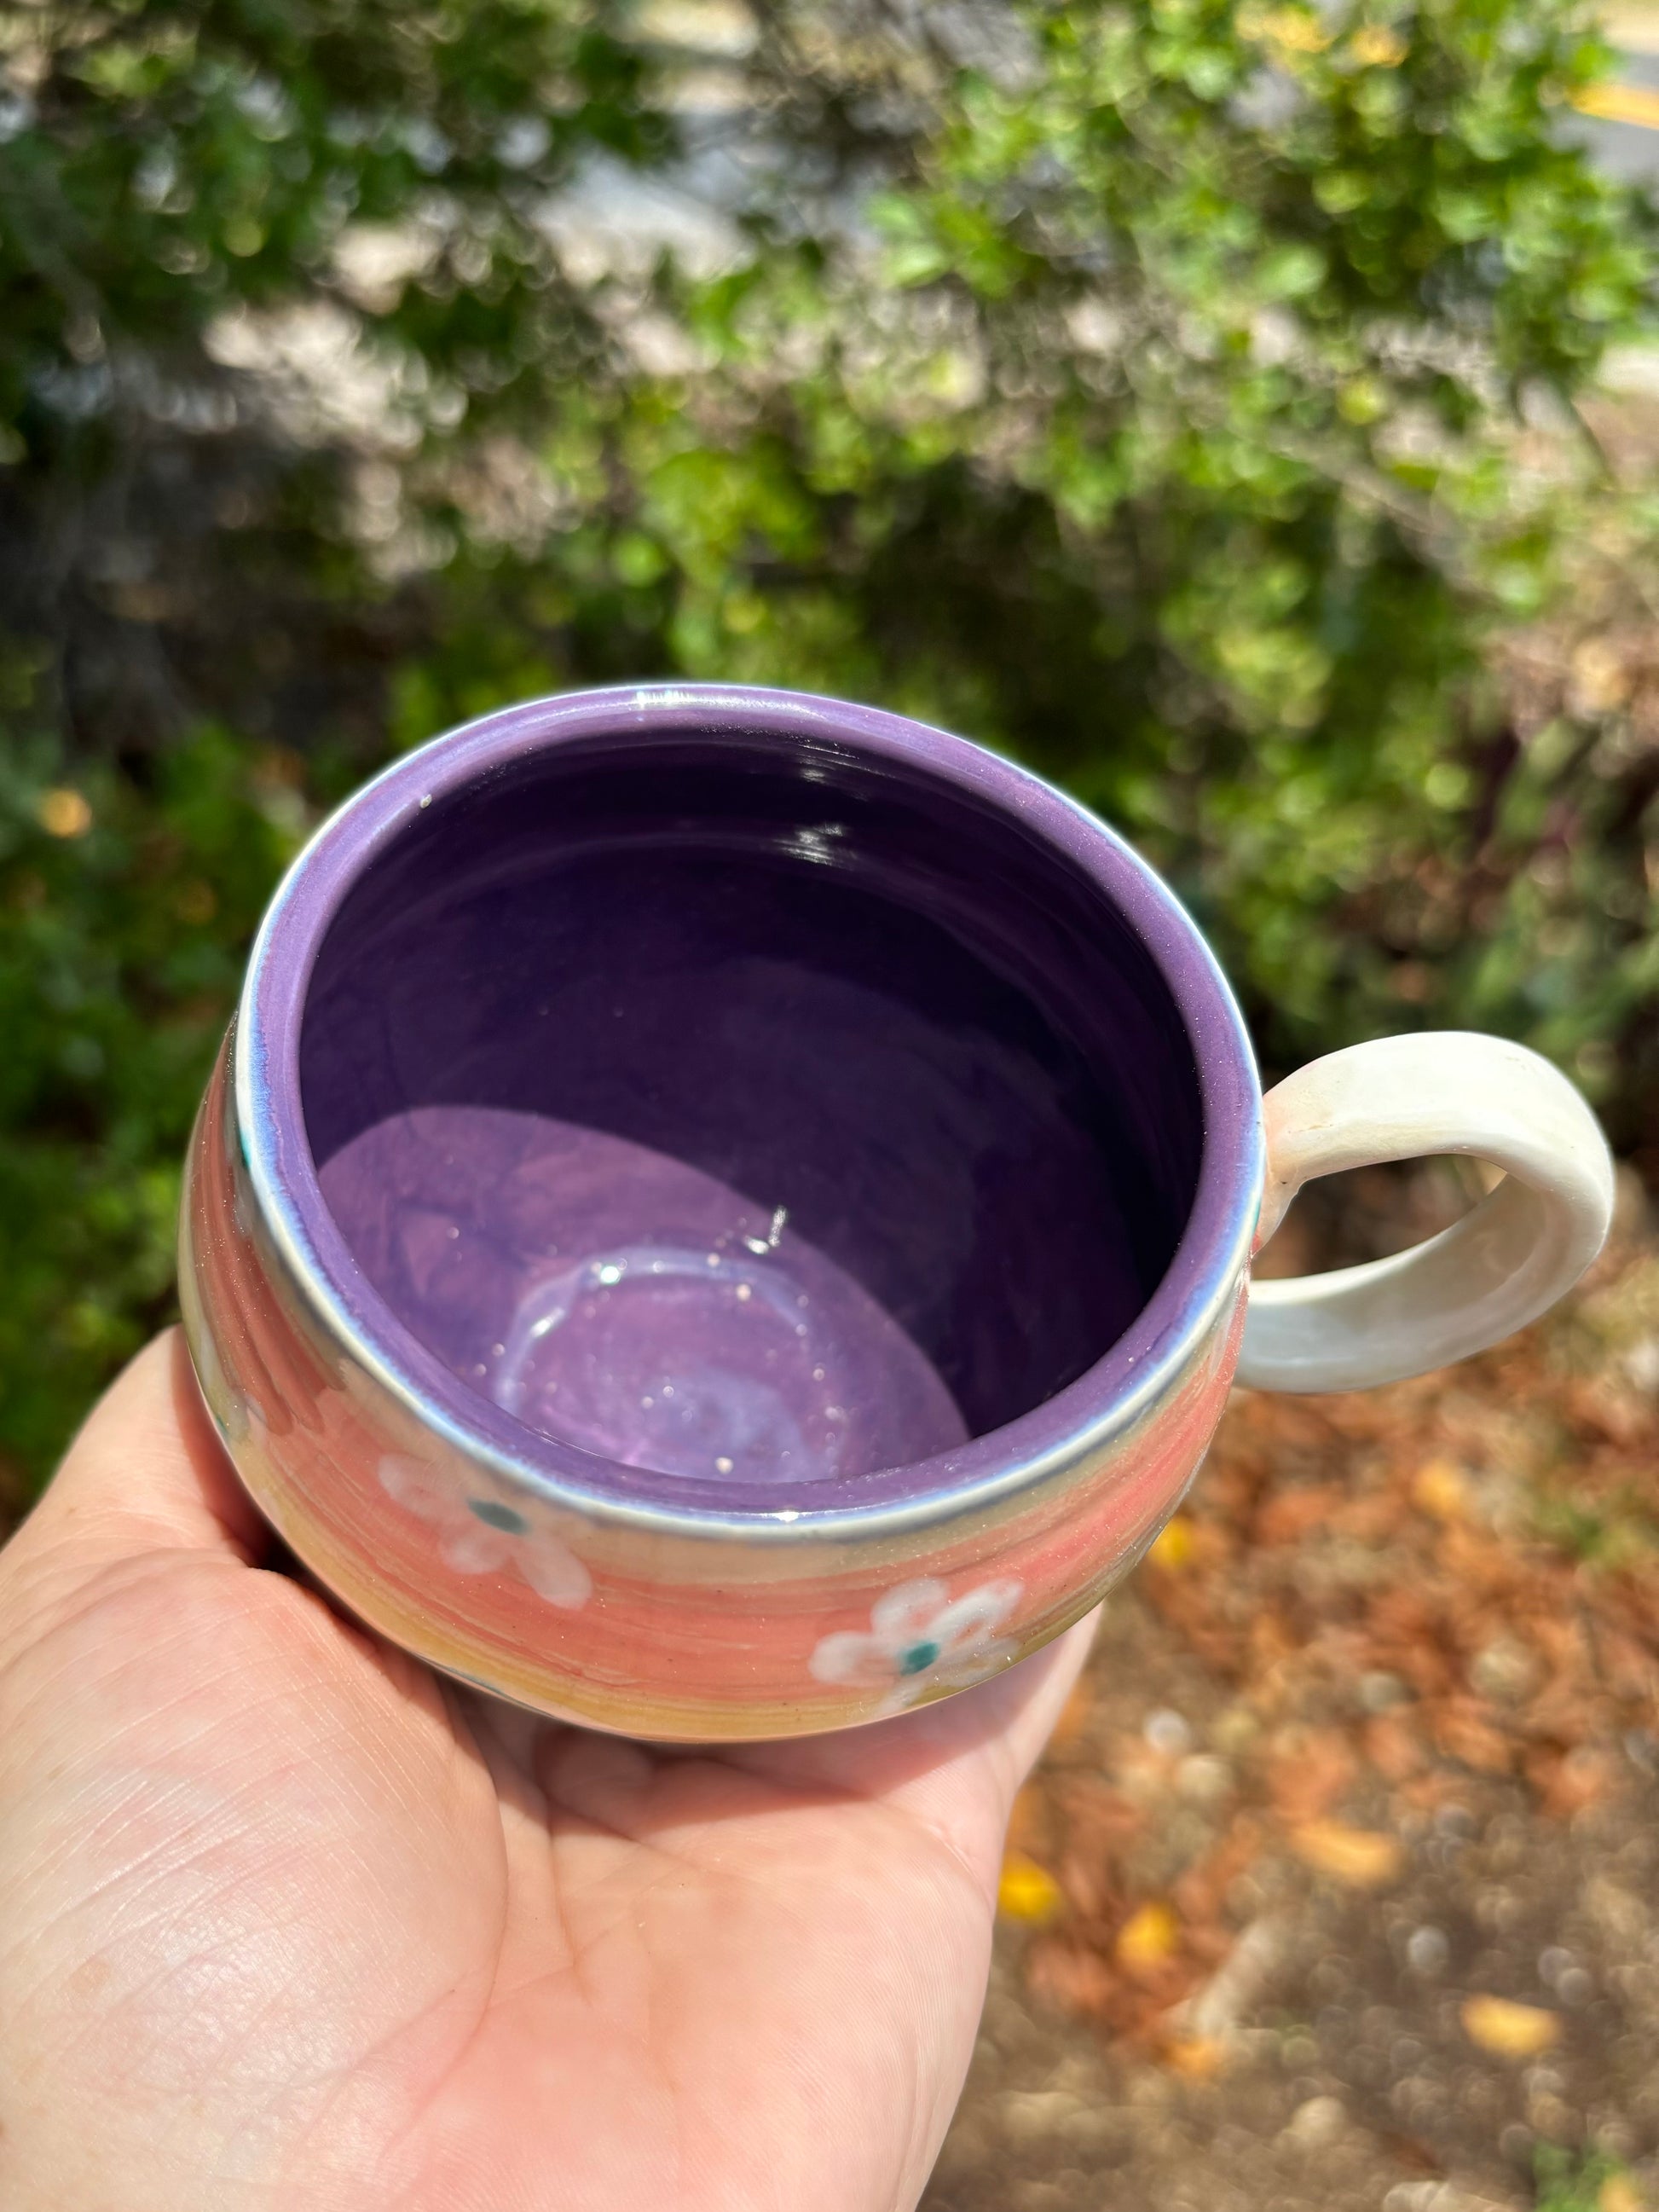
1525 1244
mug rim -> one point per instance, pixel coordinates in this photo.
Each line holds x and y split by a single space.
1078 1423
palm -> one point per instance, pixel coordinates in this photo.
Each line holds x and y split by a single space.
284 1919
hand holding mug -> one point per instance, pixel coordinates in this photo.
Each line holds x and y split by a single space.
728 1214
287 1919
722 1215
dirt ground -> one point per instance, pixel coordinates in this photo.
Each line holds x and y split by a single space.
1340 1886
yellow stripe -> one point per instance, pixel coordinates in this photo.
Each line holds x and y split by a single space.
1621 103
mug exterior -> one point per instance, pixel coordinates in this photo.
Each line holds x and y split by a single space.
512 1564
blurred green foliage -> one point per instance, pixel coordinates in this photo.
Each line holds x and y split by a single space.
1186 398
118 956
1570 2183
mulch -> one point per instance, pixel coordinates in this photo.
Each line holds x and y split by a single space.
1339 1885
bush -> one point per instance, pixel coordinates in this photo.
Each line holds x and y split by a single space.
1187 400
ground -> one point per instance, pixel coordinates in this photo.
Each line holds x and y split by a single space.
1340 1886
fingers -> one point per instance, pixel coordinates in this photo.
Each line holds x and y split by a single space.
146 1473
990 1738
1035 1708
956 1763
968 1756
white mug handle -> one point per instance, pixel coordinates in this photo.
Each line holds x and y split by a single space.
1500 1267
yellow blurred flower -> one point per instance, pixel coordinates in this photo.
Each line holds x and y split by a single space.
1027 1890
1196 2057
1295 30
1439 1489
1146 1939
1374 45
62 812
1173 1545
1508 2030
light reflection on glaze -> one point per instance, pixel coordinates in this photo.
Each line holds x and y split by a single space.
620 1301
883 1090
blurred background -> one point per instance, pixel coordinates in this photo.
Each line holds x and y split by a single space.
1246 415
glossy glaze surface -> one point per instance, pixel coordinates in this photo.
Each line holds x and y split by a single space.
614 1299
852 992
580 985
1505 1263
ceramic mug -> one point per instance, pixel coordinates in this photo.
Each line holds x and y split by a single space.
726 1213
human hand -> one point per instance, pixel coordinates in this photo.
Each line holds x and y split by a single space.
288 1922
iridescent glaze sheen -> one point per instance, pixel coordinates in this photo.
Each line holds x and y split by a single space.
921 1068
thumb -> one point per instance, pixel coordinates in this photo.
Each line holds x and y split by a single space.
146 1473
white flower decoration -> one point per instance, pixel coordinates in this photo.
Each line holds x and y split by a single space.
482 1536
920 1639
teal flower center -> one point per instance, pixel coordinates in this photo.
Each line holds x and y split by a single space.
500 1517
916 1657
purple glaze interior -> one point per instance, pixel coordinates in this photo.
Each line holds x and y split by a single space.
621 1301
835 1027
